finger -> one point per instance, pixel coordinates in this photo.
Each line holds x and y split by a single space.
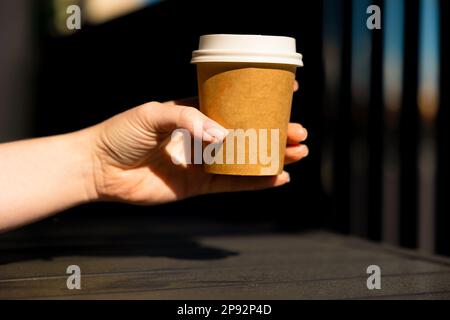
295 85
295 153
165 118
226 183
296 133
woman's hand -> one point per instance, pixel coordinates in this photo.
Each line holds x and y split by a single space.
132 155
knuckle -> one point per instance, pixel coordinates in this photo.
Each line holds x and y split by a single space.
152 104
188 114
146 108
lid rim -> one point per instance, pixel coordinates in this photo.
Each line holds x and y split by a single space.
198 53
249 59
257 49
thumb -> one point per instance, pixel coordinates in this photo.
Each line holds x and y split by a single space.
163 118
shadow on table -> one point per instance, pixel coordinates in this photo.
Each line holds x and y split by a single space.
170 246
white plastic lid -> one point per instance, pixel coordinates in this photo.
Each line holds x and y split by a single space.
247 48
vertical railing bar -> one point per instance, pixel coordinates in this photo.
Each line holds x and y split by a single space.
342 149
360 87
428 107
332 33
409 130
375 136
393 25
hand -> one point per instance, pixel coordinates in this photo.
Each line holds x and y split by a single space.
133 164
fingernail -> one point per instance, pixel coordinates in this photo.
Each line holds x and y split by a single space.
304 133
288 177
304 149
215 131
207 137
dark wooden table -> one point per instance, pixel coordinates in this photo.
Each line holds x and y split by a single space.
141 258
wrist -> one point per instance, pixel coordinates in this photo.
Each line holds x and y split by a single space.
83 142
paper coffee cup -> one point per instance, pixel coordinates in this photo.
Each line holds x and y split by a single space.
245 83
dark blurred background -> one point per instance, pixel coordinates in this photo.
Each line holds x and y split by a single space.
374 102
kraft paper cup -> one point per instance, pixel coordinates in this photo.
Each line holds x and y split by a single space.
245 83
